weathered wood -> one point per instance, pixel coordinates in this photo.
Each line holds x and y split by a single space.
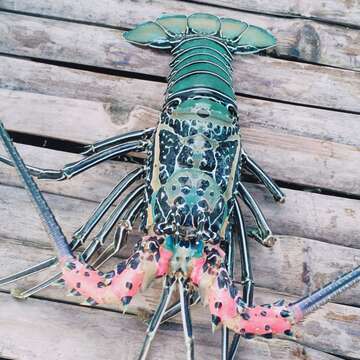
312 162
41 326
300 265
343 12
298 38
253 75
53 116
327 218
334 328
308 161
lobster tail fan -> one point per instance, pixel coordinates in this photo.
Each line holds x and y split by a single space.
148 34
254 39
174 25
325 294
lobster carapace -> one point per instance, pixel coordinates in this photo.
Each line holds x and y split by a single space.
188 196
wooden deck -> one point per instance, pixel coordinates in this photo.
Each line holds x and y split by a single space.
67 77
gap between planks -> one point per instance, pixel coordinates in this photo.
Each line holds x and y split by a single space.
100 327
268 131
254 75
300 39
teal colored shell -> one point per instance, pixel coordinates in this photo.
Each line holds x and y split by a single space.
166 31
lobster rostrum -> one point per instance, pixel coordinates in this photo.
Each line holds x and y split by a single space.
188 195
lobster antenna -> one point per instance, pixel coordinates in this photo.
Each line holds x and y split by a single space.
51 225
325 294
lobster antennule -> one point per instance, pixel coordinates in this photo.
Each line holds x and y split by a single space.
312 302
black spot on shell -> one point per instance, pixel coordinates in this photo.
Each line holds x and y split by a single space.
218 305
100 284
245 316
120 267
267 327
78 285
263 313
248 335
129 285
86 273
126 300
233 291
215 319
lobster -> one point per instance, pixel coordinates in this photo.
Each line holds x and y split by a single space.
187 196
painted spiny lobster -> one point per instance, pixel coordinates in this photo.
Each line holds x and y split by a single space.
188 195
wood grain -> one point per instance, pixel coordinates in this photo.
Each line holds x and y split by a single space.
301 39
41 325
300 264
310 161
53 116
334 328
344 12
102 47
327 218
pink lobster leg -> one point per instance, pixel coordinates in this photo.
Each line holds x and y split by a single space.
149 261
226 306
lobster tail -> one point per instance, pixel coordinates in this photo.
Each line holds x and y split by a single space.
312 302
168 30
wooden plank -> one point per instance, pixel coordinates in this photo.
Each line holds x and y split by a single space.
53 116
343 12
41 324
310 161
327 218
297 38
334 328
299 264
253 75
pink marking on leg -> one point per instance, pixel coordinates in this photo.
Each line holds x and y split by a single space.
197 271
86 281
163 264
151 260
222 304
127 283
262 320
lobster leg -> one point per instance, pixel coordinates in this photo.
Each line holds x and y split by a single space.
82 165
246 274
262 233
174 309
156 319
116 140
120 235
186 320
250 165
91 248
230 268
81 234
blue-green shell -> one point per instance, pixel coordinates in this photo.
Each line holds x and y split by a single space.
168 30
